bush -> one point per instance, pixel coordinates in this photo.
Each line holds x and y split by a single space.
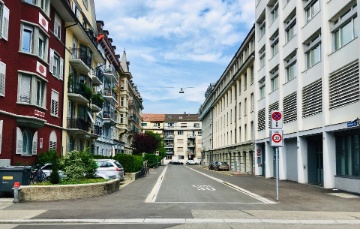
152 159
46 157
131 163
77 164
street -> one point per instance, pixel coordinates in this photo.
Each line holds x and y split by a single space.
179 196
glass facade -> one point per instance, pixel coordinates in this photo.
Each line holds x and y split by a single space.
348 154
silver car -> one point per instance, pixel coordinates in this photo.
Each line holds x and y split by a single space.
109 169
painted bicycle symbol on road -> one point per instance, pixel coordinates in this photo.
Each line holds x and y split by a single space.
204 187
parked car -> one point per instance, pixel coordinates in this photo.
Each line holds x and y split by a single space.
47 169
176 163
109 169
222 166
212 165
191 162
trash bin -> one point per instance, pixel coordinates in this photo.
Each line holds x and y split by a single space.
11 174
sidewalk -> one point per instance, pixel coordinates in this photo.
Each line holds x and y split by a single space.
292 195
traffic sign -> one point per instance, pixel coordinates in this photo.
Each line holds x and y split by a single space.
276 121
276 138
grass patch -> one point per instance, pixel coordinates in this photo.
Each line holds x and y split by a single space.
78 181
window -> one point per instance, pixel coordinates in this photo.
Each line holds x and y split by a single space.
33 41
262 88
122 101
180 132
252 74
245 106
345 28
180 141
197 125
290 28
240 110
274 79
262 57
2 78
245 82
180 149
274 40
52 141
56 65
32 90
26 142
4 21
262 29
57 27
313 51
348 155
311 9
54 103
290 67
86 3
252 102
1 131
122 118
275 12
42 4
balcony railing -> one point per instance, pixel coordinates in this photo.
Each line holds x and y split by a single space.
110 92
78 123
78 53
110 115
80 88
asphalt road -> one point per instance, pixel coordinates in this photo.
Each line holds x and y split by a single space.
192 197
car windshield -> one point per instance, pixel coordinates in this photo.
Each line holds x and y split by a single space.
224 163
117 164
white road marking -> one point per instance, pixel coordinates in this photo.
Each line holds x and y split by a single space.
151 198
204 187
237 188
178 221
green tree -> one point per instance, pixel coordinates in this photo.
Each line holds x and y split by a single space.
161 147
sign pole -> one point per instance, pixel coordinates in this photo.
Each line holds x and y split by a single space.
277 172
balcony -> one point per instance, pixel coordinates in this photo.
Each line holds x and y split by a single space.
79 93
191 136
169 152
81 128
110 75
80 60
109 117
169 136
110 96
169 145
96 80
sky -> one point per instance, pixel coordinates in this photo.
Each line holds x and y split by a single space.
174 44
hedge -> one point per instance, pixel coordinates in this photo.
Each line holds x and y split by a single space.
131 163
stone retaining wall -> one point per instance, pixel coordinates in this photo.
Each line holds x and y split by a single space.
66 192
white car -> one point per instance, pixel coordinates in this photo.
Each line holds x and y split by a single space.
109 169
47 169
191 162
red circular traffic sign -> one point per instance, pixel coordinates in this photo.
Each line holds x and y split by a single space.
276 138
276 116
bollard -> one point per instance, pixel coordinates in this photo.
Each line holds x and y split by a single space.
16 189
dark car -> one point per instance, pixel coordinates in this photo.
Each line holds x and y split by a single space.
212 165
176 162
222 166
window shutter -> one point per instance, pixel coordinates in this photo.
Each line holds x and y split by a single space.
19 141
5 23
1 130
61 76
34 143
51 67
54 103
2 78
25 85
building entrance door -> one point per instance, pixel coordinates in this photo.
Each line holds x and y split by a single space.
315 160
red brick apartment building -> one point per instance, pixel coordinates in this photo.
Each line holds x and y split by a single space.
32 51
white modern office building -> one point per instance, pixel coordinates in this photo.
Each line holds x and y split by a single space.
228 112
307 66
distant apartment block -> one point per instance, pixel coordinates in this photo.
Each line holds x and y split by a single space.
182 135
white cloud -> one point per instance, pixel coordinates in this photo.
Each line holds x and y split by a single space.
176 43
